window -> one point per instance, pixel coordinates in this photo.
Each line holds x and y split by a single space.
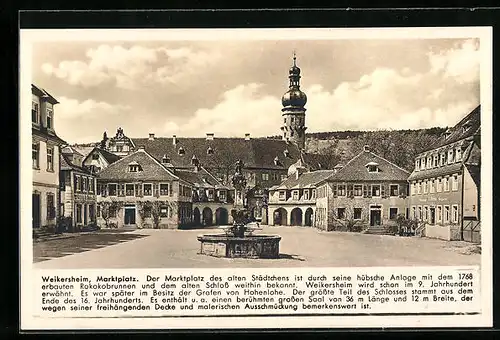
426 213
134 167
129 190
274 176
436 161
340 213
454 183
458 155
313 194
439 185
283 177
306 194
295 194
432 187
376 190
422 163
443 159
265 176
394 190
78 180
414 212
164 189
450 156
429 162
91 184
165 159
181 151
49 119
222 195
446 216
358 190
35 112
163 211
425 186
419 215
357 213
282 195
439 214
372 168
35 155
341 190
417 163
446 184
119 148
51 207
393 213
112 190
147 189
454 213
95 156
210 194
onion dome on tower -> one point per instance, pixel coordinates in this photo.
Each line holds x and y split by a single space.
294 97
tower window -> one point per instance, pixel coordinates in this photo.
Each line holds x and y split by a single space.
181 151
210 151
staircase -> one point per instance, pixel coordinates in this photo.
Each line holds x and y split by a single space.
379 230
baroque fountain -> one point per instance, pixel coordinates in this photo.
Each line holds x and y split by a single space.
238 241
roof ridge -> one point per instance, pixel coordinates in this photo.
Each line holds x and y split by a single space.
391 163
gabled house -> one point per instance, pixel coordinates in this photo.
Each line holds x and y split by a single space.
445 183
99 159
78 187
293 201
45 155
368 191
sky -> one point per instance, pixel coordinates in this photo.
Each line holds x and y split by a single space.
232 87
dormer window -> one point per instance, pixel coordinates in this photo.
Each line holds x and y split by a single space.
165 159
194 160
134 167
210 151
50 119
276 160
447 134
286 153
466 126
181 151
372 167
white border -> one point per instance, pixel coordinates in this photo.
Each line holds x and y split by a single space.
28 37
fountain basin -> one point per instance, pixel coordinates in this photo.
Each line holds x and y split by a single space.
253 246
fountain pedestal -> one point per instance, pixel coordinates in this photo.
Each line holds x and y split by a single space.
238 242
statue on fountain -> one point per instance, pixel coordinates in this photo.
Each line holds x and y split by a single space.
240 214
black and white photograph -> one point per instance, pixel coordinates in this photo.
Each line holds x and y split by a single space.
286 149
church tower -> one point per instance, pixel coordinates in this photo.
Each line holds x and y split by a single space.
294 112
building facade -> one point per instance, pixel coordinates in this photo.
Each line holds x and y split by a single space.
139 191
46 146
293 202
266 160
445 183
78 190
368 191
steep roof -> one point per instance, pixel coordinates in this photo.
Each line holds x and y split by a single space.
305 180
108 156
66 164
255 152
40 92
469 126
151 169
82 150
201 178
356 170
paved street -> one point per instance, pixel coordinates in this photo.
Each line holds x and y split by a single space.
299 247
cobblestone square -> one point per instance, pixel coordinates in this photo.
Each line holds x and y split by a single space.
299 247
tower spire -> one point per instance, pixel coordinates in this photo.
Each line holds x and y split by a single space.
294 58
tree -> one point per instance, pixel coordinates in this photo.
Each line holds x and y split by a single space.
153 209
109 210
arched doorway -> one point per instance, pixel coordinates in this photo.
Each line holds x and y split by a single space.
196 216
221 216
296 216
207 216
308 217
280 216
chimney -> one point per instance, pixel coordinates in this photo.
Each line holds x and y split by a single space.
366 148
151 136
247 136
210 136
174 140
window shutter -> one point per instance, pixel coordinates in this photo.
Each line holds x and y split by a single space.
383 190
170 190
369 190
335 190
122 189
156 189
365 190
